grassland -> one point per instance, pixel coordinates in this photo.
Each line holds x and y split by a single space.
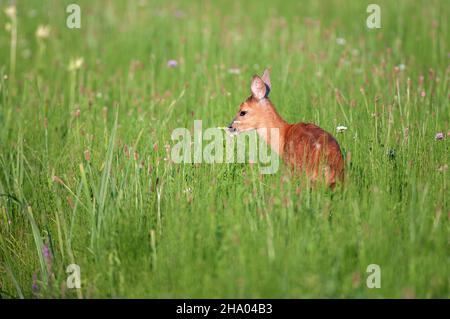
85 177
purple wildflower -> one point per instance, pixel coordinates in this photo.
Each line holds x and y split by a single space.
34 285
46 252
172 63
48 257
179 14
439 136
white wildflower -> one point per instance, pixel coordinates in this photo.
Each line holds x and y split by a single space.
75 64
341 128
234 71
43 32
340 41
11 12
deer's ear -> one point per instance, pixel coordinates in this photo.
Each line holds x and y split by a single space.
258 87
266 78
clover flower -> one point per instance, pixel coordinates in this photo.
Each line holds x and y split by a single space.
172 63
439 136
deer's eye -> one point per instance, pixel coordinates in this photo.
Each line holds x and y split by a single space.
243 113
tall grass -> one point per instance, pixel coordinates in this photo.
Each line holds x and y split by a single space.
85 171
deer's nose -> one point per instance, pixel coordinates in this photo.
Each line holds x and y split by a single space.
231 128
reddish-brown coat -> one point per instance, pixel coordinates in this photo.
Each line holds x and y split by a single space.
309 148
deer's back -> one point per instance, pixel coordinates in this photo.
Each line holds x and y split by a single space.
310 148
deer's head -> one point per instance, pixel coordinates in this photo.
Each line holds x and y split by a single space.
256 111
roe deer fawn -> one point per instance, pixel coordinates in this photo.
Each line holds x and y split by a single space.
304 147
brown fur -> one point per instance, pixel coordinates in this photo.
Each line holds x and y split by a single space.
304 147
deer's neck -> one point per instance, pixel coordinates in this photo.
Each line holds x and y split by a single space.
273 129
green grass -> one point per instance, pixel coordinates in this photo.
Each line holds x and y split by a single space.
141 226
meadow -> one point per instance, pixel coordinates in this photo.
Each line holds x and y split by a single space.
86 117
